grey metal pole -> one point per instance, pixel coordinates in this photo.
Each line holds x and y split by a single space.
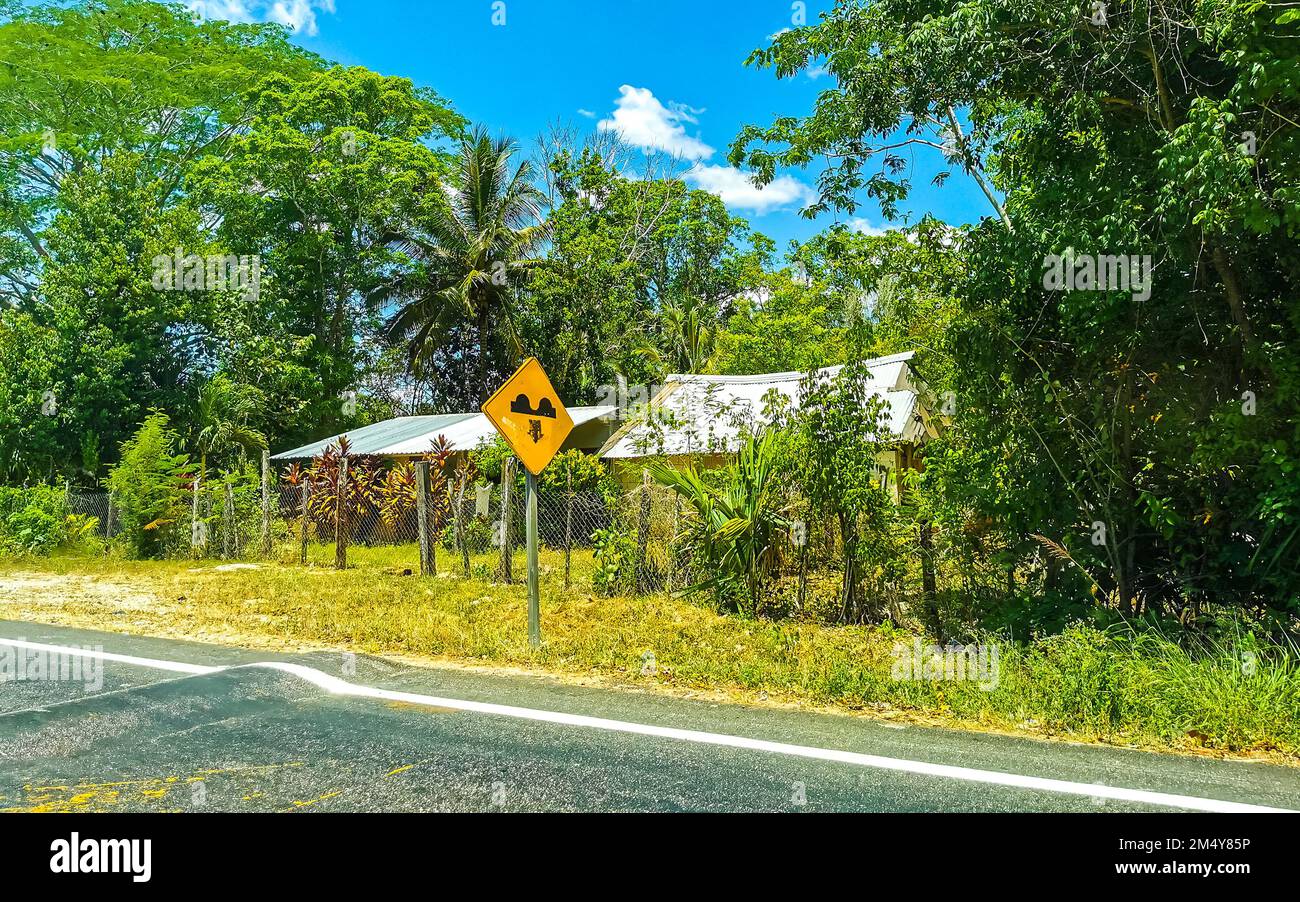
534 606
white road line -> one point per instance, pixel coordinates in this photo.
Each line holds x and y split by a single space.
336 686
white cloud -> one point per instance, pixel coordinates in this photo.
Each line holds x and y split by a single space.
641 120
864 227
736 188
588 114
297 15
817 70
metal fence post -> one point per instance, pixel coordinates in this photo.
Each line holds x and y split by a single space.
422 516
266 502
306 522
108 518
341 518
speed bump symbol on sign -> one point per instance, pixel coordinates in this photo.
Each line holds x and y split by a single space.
528 414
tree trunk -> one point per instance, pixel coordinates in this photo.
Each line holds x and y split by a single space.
929 589
849 588
484 389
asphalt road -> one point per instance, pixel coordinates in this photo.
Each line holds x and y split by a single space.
188 727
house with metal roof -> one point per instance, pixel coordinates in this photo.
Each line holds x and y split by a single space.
704 417
403 438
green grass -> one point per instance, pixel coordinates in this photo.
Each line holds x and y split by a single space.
1137 689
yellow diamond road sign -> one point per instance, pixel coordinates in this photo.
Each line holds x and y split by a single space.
528 414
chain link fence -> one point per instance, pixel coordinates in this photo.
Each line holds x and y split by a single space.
98 505
624 542
226 520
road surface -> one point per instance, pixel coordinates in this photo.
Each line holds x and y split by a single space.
160 725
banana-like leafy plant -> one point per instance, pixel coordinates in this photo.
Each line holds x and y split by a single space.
736 523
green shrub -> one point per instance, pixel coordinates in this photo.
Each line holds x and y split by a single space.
53 500
32 518
81 533
32 530
735 518
615 562
149 486
588 472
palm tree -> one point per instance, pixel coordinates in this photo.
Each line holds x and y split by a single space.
224 410
473 250
689 339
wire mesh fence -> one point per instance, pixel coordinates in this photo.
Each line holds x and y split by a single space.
626 541
629 541
228 520
98 505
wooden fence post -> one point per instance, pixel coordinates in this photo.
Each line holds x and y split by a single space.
422 515
306 521
642 575
266 502
803 568
504 569
929 590
230 541
568 530
196 545
341 525
461 539
672 542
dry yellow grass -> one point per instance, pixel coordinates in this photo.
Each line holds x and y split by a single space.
375 607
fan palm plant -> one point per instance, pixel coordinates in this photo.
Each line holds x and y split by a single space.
689 339
222 419
472 250
736 524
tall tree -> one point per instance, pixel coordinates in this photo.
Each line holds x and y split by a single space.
458 308
84 81
1151 424
328 169
629 243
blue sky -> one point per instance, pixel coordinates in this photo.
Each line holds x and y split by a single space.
666 74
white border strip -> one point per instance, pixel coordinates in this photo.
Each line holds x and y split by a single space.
336 686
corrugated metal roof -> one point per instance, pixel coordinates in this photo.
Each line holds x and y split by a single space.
376 437
409 436
706 414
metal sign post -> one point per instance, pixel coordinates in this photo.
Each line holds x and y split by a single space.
534 605
527 412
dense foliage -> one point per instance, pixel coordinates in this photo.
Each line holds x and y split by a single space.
1110 449
1138 443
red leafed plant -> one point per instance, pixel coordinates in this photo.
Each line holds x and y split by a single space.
361 496
375 492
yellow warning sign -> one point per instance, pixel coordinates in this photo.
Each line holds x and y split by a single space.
528 414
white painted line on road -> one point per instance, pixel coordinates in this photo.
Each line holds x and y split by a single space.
336 686
151 663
